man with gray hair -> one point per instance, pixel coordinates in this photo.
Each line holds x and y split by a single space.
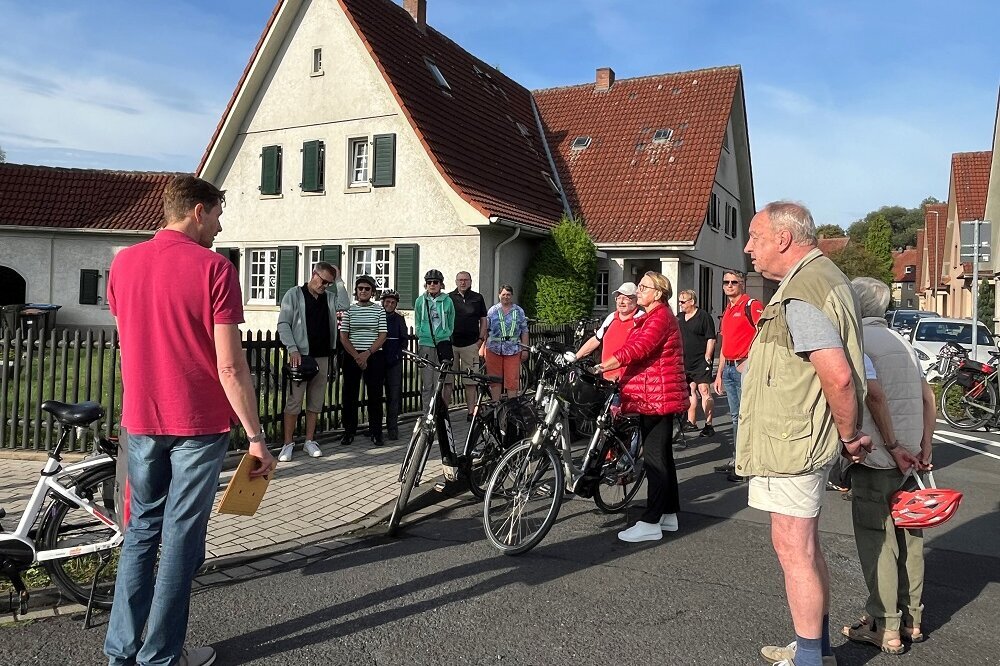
900 414
698 335
801 404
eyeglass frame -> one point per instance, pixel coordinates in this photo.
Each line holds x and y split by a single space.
326 283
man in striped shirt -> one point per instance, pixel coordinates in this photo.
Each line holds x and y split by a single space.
363 331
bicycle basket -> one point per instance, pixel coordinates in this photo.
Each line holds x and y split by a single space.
517 418
584 393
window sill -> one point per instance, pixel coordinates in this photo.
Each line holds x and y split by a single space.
260 307
319 73
271 196
320 193
357 189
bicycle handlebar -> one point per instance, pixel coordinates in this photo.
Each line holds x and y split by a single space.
440 367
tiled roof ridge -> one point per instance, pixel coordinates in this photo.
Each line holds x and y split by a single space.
634 79
82 170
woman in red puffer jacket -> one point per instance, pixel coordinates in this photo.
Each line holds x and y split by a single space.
654 385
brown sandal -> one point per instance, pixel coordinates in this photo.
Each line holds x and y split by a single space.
866 630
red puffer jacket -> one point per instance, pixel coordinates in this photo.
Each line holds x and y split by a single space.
654 381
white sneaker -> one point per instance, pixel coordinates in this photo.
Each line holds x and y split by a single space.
286 452
668 522
201 656
641 532
777 655
312 448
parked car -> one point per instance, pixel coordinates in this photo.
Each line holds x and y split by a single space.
902 320
931 333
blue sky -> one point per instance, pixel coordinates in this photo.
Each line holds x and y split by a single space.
851 105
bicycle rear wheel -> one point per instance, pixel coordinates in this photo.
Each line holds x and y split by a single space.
412 466
523 498
621 475
968 408
483 452
68 526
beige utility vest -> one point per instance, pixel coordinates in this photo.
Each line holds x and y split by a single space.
902 382
786 426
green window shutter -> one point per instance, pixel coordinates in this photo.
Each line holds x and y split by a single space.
288 270
312 166
232 254
384 156
270 170
331 255
407 275
88 286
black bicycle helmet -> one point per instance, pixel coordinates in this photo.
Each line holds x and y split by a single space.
303 372
366 279
389 293
434 274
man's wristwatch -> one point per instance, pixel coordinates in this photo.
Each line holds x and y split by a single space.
256 439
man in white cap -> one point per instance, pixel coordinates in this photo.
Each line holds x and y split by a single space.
615 328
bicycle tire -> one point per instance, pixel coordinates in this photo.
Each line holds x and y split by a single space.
525 472
413 465
617 485
479 466
965 411
68 525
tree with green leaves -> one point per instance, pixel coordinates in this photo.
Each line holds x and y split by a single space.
856 261
986 302
905 222
830 231
559 285
878 243
3 155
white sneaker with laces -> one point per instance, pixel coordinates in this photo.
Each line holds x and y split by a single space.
641 532
286 452
668 522
201 656
312 448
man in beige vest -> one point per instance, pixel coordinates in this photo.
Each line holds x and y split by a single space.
900 414
800 406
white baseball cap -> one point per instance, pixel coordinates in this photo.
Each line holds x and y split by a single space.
627 289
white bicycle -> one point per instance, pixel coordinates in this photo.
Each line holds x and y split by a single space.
77 531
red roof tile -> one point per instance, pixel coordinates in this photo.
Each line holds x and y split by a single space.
936 225
970 175
900 260
41 196
829 245
921 249
626 187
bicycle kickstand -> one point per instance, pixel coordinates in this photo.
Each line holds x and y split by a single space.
18 584
105 560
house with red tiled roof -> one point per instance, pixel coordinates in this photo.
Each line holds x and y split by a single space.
970 176
360 135
993 208
904 278
60 228
931 282
830 245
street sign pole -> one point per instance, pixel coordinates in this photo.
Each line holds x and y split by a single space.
975 288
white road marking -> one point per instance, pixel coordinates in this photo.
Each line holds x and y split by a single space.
969 438
945 440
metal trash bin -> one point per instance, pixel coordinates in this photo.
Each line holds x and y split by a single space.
11 318
40 316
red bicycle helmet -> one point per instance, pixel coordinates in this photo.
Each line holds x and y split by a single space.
924 507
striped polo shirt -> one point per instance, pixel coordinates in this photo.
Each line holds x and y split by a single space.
363 323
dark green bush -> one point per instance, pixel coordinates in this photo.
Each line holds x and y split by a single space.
559 285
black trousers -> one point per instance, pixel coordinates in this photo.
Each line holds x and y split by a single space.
662 495
393 395
374 378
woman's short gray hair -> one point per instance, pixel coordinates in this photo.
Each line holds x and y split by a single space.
873 295
794 218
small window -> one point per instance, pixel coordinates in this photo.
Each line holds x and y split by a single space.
90 286
373 261
263 276
662 135
712 216
357 154
601 291
438 76
732 223
317 61
581 142
910 269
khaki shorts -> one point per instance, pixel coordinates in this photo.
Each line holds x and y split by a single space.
316 389
466 359
797 496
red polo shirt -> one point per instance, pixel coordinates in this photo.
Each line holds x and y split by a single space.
737 332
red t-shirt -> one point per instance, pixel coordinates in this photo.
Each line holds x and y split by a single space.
167 294
613 335
737 332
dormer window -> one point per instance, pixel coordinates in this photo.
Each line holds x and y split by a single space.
662 135
581 142
910 269
438 76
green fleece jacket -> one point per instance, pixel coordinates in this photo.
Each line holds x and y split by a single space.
424 310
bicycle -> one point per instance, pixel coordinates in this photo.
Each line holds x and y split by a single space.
526 489
969 394
79 531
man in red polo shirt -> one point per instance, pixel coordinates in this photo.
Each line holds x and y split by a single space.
737 327
615 328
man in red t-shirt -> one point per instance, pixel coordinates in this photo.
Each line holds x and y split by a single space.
615 328
737 327
178 307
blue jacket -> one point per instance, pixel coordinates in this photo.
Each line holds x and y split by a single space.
395 341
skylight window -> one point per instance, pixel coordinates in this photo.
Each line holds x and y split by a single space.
662 135
581 142
523 129
551 182
438 76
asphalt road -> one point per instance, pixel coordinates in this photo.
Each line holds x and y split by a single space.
709 594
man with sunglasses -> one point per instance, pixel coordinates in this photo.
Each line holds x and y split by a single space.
698 334
737 328
307 326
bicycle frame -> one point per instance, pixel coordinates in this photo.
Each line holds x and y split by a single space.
427 421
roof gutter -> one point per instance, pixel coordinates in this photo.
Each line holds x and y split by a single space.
548 156
75 230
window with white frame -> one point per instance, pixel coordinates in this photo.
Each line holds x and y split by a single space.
601 291
314 255
357 153
263 276
373 261
317 60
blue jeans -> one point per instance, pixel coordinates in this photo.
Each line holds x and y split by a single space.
173 481
732 384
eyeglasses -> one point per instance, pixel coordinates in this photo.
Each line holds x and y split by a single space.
430 282
732 282
363 287
646 287
326 283
683 302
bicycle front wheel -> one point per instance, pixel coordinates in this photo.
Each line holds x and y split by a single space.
523 498
621 474
411 468
483 452
968 408
69 526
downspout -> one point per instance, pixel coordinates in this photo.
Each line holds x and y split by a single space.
548 156
496 259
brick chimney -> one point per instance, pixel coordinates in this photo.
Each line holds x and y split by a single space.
418 10
605 79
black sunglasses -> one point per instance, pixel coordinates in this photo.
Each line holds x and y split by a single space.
732 282
433 282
